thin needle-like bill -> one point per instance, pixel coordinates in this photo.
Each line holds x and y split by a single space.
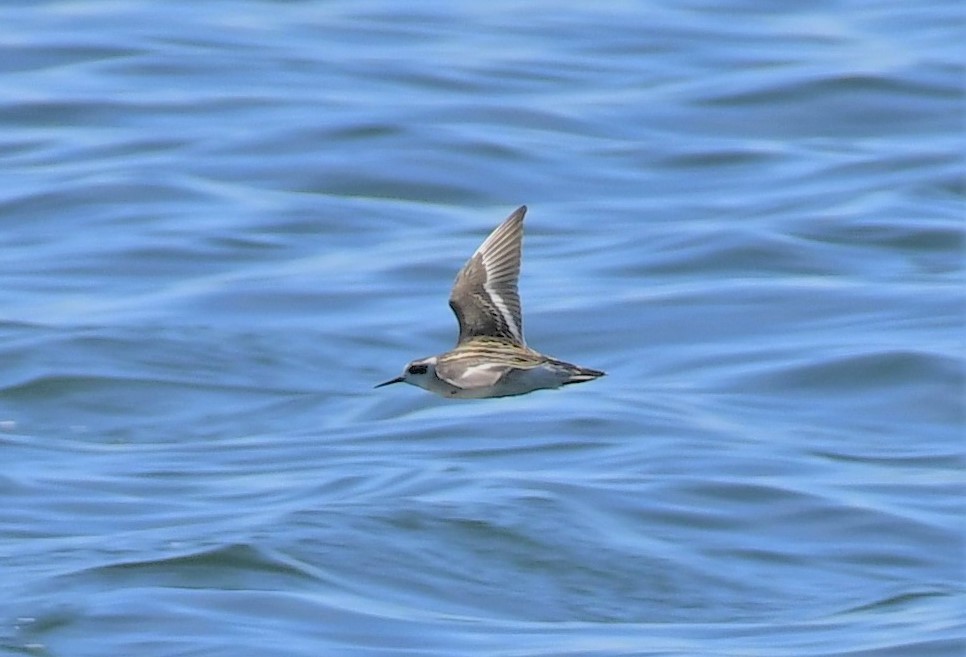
485 296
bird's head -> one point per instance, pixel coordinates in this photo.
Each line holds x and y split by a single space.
417 373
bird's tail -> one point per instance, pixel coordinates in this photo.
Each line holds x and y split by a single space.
580 374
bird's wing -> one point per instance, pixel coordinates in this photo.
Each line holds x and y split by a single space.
481 375
485 297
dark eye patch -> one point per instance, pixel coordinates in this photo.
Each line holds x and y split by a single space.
417 369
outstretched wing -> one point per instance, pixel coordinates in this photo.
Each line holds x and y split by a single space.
485 298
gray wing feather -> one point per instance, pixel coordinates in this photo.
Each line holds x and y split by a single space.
476 376
485 297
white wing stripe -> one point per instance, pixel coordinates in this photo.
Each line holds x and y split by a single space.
499 303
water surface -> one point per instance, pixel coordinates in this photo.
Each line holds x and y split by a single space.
223 222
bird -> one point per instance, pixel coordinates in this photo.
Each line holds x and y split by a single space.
491 358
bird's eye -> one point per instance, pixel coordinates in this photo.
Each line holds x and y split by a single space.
417 369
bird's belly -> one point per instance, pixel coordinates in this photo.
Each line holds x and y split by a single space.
516 382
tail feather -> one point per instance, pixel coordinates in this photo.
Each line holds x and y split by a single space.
581 374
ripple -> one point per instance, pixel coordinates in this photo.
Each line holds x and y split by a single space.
220 233
872 370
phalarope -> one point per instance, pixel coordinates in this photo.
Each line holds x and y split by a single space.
491 358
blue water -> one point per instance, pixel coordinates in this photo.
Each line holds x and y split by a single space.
221 223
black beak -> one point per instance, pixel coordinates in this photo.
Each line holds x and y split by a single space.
398 379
